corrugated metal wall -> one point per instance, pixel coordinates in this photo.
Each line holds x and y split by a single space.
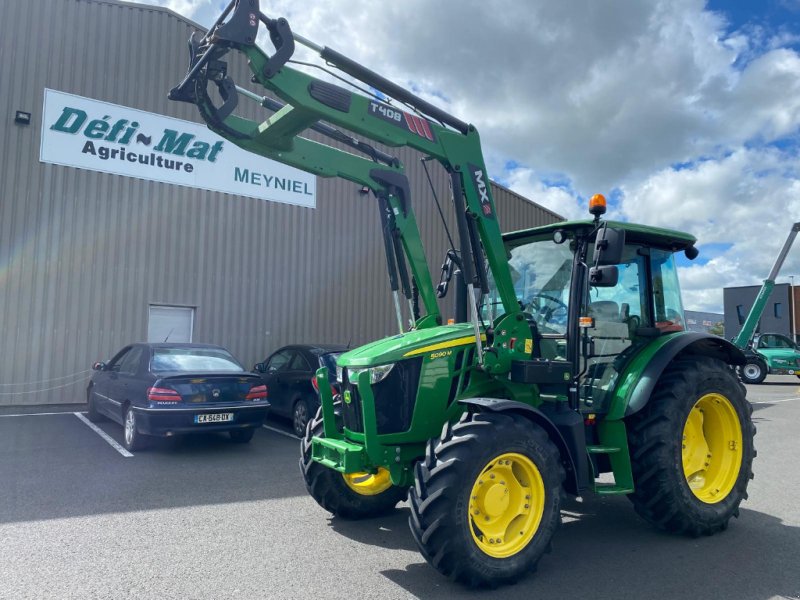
83 254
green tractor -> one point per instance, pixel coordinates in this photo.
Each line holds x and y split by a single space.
568 360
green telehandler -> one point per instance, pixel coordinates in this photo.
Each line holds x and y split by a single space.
570 360
768 352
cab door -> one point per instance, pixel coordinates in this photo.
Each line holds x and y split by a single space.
618 315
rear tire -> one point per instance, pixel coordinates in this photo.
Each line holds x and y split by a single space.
754 371
300 417
242 436
131 438
692 449
91 411
357 500
464 494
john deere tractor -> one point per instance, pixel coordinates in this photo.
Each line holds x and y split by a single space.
569 361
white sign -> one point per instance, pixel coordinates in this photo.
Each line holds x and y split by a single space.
99 136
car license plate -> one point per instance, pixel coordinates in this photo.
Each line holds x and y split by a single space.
214 418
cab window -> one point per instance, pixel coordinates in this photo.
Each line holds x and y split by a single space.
666 292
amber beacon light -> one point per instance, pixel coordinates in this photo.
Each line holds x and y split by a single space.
597 205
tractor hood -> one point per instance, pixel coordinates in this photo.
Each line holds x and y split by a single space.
408 345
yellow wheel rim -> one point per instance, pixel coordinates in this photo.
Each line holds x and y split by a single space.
712 448
506 505
368 484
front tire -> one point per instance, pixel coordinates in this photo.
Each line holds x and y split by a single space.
353 496
754 371
485 503
692 448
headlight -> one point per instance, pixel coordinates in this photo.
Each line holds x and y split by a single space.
376 374
339 372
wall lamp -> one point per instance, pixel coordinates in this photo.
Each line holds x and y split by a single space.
22 118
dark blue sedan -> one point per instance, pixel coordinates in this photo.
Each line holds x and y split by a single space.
170 389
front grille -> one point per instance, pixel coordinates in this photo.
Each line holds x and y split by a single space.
352 417
395 398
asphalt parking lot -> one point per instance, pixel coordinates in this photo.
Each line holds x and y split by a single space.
200 517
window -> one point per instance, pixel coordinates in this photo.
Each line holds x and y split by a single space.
774 341
116 362
279 360
541 271
194 360
778 308
170 324
299 363
129 365
740 313
666 292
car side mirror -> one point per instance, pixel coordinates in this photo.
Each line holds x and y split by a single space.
99 366
608 246
260 367
607 276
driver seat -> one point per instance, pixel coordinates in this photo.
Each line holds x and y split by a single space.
605 310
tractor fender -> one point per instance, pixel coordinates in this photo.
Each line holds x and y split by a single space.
564 427
703 344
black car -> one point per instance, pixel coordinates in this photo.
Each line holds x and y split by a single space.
290 376
169 389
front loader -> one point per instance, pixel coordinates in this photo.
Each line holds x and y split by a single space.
573 361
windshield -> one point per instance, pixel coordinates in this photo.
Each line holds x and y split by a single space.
329 360
193 360
541 271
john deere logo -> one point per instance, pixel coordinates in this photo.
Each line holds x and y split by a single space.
347 397
101 133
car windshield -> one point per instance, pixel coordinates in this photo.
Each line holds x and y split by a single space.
195 360
329 360
541 271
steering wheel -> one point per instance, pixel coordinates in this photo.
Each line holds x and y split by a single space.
538 307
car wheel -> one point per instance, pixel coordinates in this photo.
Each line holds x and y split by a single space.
91 411
753 371
132 439
242 436
300 417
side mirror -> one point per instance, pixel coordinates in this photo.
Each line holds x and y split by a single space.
608 246
99 366
603 276
260 367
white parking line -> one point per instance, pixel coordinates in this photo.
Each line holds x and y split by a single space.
776 401
289 435
38 414
104 435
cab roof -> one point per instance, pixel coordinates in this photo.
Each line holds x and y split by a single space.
643 234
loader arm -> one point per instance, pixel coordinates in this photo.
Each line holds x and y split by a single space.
321 106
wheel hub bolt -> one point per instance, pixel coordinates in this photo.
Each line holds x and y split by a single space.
491 476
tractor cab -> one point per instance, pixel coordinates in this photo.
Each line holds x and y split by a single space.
598 324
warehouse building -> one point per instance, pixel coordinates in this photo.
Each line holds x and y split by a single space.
778 316
106 240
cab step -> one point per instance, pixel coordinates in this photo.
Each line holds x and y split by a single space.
602 449
611 489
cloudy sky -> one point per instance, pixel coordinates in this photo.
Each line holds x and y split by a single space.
685 113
